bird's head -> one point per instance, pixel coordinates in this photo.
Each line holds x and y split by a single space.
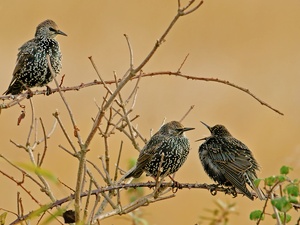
174 128
48 29
217 130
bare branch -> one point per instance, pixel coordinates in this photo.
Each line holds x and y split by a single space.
22 171
56 115
184 13
20 184
32 121
103 82
118 161
136 185
130 52
48 135
76 130
45 145
170 73
181 65
185 115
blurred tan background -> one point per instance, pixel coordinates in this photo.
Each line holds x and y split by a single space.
254 44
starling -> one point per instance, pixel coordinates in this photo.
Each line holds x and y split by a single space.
228 161
169 141
32 65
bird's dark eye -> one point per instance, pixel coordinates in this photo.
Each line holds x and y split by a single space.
179 130
52 29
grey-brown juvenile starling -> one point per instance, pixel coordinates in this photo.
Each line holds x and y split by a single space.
32 65
228 161
169 141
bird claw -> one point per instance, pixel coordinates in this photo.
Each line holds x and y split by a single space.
29 94
48 90
176 185
212 189
231 191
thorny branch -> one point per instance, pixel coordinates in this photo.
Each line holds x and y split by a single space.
153 74
125 186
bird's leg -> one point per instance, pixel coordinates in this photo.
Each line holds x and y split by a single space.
48 90
176 185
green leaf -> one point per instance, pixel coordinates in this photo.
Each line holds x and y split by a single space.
256 215
257 181
39 211
270 181
39 171
2 218
285 170
282 204
293 199
132 162
292 190
288 218
281 178
285 218
54 215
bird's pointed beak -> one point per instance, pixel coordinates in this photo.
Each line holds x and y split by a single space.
202 139
61 33
208 127
187 129
205 138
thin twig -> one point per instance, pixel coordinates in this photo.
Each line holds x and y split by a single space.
97 200
56 115
193 9
185 115
48 135
106 144
22 171
95 68
97 169
20 184
180 67
85 211
32 121
118 161
76 130
19 213
130 52
45 145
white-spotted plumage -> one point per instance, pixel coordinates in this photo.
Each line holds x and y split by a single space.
32 65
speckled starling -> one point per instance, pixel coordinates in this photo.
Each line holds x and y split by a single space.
228 161
32 65
169 141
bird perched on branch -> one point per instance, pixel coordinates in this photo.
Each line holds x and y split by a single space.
32 65
228 161
171 144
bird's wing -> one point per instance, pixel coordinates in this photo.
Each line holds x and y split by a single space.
25 56
149 150
235 173
233 160
232 153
